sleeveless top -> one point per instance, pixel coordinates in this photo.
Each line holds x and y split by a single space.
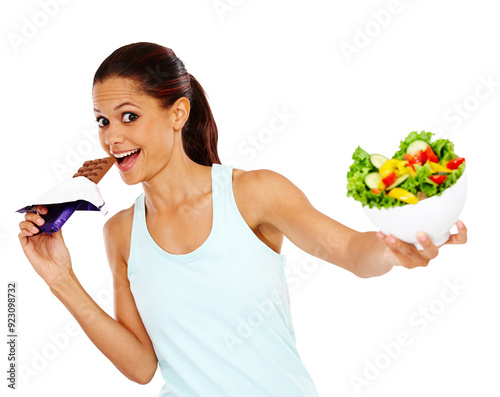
219 316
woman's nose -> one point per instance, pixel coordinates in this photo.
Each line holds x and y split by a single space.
113 136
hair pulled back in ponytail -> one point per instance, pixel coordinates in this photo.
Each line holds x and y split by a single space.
162 75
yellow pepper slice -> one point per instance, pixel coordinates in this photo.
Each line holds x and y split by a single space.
403 195
387 168
411 171
435 167
393 165
403 167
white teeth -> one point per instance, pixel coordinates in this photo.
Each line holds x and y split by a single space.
120 155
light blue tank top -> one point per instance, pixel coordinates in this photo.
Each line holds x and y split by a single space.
219 316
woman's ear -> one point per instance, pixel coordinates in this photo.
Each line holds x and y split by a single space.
181 109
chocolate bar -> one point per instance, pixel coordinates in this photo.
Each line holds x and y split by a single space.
95 169
73 195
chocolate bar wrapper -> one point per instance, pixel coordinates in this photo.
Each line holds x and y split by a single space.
76 194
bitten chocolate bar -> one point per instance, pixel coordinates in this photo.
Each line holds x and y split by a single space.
95 169
75 194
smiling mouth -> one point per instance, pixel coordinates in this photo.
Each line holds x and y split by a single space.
126 158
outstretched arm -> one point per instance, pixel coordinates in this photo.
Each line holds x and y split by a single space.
366 254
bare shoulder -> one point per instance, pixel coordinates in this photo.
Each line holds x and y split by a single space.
267 193
263 182
117 230
257 177
253 184
119 221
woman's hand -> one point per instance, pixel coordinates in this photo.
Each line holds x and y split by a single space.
399 253
48 254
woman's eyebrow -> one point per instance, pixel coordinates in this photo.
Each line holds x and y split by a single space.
123 104
119 106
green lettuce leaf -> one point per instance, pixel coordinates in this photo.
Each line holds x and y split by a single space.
412 137
444 149
361 166
356 186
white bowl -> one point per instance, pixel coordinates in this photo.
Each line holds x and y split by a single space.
435 215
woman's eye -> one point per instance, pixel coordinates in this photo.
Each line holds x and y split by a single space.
102 121
129 117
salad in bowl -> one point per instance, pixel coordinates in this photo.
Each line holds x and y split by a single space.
422 187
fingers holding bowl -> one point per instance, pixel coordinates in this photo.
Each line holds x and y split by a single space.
460 237
407 254
430 250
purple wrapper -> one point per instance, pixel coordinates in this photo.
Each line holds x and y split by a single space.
58 214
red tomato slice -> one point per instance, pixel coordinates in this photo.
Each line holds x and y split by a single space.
430 155
439 179
414 158
453 164
390 179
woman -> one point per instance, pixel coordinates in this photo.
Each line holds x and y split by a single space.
199 283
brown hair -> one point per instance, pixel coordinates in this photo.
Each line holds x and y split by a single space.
162 75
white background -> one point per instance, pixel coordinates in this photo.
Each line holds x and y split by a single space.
419 63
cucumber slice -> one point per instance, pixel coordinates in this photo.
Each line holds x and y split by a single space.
377 160
398 181
372 180
415 146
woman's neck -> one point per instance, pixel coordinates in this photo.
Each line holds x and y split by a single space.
181 181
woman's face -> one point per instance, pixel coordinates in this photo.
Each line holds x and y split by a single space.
134 129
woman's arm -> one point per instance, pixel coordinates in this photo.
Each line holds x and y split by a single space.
366 254
119 342
124 341
117 232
